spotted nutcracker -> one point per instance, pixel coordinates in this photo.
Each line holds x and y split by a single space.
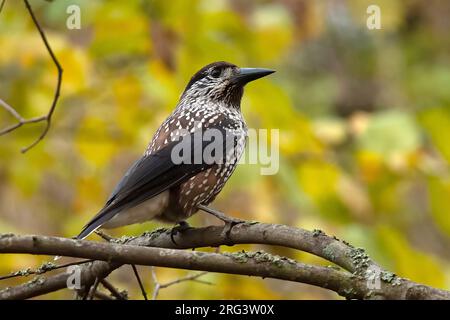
156 186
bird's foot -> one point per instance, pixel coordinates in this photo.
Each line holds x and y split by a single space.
179 228
230 222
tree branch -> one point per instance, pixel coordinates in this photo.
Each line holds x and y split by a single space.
157 249
48 117
114 292
45 267
158 286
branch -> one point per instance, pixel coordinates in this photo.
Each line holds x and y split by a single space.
156 249
48 117
159 286
114 292
45 267
138 278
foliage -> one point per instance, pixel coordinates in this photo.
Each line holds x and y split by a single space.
364 118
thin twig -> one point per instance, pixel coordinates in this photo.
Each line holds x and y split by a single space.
159 286
112 289
192 277
102 296
104 236
85 293
136 273
1 5
19 118
108 238
47 118
108 285
156 282
58 84
94 289
42 269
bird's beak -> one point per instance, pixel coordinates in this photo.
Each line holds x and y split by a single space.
246 75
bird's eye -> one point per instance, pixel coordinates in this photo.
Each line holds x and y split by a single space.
215 73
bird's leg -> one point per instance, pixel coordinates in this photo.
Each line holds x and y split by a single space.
230 222
219 215
179 227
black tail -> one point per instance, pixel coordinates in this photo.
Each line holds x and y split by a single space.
103 216
87 230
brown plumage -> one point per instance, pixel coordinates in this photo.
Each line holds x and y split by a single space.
157 187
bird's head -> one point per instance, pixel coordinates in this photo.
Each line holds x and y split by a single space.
222 82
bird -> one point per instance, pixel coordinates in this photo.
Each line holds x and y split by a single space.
156 187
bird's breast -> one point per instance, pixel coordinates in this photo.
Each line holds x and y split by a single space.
204 186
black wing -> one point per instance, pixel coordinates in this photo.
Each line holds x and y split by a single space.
152 175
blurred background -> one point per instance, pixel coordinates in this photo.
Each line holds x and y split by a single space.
364 120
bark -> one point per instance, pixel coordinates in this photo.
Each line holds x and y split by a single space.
157 249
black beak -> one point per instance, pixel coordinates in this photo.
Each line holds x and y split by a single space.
246 75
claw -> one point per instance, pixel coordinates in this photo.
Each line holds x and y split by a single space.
229 226
182 226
